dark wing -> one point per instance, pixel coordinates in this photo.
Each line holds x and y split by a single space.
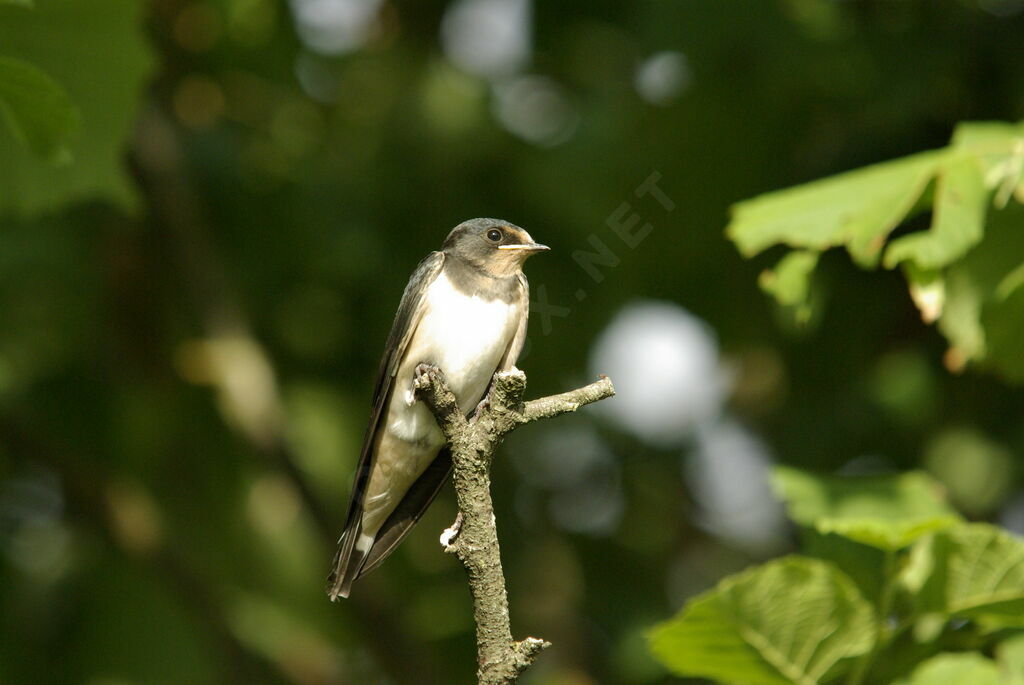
410 310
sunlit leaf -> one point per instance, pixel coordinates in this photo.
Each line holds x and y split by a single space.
37 109
997 144
887 512
98 52
983 316
789 281
790 621
957 220
955 669
1010 653
978 572
927 289
857 209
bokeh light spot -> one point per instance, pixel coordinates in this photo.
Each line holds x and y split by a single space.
662 77
198 101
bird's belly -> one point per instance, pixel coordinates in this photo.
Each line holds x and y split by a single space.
466 338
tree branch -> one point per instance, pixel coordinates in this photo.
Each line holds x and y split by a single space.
474 536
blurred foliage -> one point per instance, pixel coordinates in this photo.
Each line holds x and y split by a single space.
955 668
192 308
38 110
97 54
887 512
804 620
859 209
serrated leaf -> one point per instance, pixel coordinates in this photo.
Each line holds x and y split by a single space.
98 52
37 109
978 573
887 512
955 669
705 641
857 209
793 620
958 219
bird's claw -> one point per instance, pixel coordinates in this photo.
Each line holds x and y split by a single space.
424 375
483 405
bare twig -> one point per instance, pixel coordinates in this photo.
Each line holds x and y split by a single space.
474 536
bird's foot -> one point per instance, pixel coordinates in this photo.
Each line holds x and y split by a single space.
483 405
424 375
450 533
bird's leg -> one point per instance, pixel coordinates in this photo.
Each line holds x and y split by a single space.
484 404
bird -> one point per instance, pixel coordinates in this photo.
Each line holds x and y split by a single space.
464 311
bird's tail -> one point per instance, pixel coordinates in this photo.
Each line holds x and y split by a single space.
348 562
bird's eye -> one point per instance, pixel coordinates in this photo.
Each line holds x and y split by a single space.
494 235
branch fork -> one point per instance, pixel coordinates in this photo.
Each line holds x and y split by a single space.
473 537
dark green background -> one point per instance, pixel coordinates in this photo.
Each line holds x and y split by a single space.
149 537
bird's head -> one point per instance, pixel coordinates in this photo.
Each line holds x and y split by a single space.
494 246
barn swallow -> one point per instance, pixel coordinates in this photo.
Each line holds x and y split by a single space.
463 311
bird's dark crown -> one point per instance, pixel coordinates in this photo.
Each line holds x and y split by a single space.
496 247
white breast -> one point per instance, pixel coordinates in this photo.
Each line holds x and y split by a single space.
466 337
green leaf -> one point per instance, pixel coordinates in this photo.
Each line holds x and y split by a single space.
958 219
1010 653
37 109
978 573
983 316
19 3
887 512
999 147
789 281
857 209
955 669
793 620
927 289
864 565
949 267
98 51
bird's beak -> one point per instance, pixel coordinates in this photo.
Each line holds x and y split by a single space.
529 247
